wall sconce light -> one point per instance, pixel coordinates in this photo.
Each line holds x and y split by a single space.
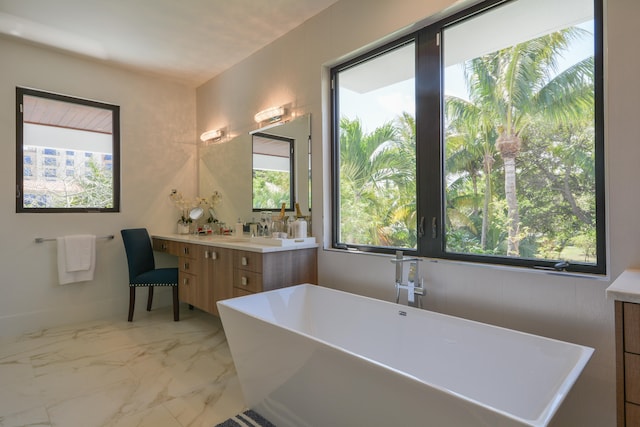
212 136
271 115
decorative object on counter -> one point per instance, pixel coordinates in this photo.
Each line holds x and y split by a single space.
192 211
239 228
299 228
183 205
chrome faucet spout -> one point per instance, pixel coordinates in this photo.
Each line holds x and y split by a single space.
413 277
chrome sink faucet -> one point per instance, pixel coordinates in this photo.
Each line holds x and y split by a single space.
413 291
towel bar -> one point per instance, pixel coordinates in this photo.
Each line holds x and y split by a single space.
41 239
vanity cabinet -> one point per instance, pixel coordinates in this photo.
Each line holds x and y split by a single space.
208 273
625 291
257 272
628 363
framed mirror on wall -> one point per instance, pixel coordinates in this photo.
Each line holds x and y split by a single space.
273 172
227 168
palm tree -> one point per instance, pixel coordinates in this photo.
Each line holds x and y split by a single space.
475 137
364 168
378 183
518 83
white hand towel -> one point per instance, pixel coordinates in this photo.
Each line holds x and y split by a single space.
78 250
76 258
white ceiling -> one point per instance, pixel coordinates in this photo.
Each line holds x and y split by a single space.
187 40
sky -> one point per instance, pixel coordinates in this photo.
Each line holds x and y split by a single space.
385 104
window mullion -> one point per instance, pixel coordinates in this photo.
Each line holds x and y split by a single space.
428 143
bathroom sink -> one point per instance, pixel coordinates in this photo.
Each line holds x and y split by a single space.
224 238
272 241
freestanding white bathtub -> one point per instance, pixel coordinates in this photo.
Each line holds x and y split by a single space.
313 356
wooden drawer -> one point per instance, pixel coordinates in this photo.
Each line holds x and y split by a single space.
188 265
241 292
247 280
166 246
632 327
187 250
250 261
632 414
187 287
632 378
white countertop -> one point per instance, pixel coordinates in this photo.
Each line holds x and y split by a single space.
626 287
233 242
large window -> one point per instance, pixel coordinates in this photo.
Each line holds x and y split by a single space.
67 154
478 138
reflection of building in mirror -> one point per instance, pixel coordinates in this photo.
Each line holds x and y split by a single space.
273 172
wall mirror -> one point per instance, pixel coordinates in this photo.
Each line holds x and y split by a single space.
228 168
273 172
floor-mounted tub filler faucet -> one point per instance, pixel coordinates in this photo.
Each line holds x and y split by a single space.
414 293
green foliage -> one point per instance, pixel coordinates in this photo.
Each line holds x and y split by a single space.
512 91
271 189
97 187
378 184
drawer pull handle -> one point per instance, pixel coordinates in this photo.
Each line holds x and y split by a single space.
245 261
186 265
185 251
244 281
185 281
214 255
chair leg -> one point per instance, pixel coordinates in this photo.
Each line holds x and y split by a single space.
176 305
150 299
132 301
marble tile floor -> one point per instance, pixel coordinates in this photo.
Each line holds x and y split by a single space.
153 372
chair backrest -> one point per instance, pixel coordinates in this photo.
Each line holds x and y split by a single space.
139 251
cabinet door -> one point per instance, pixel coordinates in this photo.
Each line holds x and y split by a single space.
217 271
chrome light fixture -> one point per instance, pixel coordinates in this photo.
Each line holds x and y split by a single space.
214 136
271 115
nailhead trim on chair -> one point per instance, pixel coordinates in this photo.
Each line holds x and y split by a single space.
144 285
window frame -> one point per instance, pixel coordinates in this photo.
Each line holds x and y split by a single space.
430 202
115 145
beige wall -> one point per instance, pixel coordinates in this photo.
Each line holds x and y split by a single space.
294 70
158 154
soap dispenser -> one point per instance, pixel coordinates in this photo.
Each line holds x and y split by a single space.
239 228
300 228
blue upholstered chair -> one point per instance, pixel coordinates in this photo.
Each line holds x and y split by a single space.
143 271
